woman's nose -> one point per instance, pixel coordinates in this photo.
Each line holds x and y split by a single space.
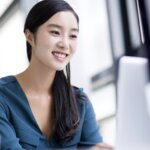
64 42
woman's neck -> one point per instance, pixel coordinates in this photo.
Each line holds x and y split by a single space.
36 79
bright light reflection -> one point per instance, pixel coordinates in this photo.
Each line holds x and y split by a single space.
4 5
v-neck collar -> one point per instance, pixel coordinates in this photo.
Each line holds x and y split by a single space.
28 106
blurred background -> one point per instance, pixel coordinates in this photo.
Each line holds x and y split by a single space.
109 29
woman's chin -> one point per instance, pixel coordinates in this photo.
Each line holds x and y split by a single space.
60 68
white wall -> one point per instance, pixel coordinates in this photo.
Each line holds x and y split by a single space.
12 48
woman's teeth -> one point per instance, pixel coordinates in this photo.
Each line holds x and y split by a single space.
60 55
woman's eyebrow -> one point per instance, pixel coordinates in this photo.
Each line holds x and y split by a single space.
60 27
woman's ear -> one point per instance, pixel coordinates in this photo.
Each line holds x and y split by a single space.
29 37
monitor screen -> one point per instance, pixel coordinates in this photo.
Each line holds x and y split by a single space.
133 118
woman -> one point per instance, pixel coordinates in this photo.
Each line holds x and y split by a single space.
39 109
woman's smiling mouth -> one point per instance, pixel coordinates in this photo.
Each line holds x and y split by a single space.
60 56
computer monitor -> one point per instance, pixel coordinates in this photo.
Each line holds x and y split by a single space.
133 119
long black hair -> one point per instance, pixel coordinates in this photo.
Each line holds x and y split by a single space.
66 116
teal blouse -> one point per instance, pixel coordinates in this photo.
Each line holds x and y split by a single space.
19 129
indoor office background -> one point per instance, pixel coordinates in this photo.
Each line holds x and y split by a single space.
94 66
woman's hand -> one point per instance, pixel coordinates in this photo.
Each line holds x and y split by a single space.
102 146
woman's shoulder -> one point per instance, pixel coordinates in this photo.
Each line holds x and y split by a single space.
7 85
80 93
4 81
4 86
81 96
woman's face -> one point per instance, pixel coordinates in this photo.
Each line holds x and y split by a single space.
55 41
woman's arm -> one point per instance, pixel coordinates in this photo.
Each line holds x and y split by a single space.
90 136
7 133
102 146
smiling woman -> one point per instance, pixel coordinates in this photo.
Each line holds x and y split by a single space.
55 40
39 108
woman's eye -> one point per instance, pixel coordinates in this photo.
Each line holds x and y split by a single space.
55 33
73 36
